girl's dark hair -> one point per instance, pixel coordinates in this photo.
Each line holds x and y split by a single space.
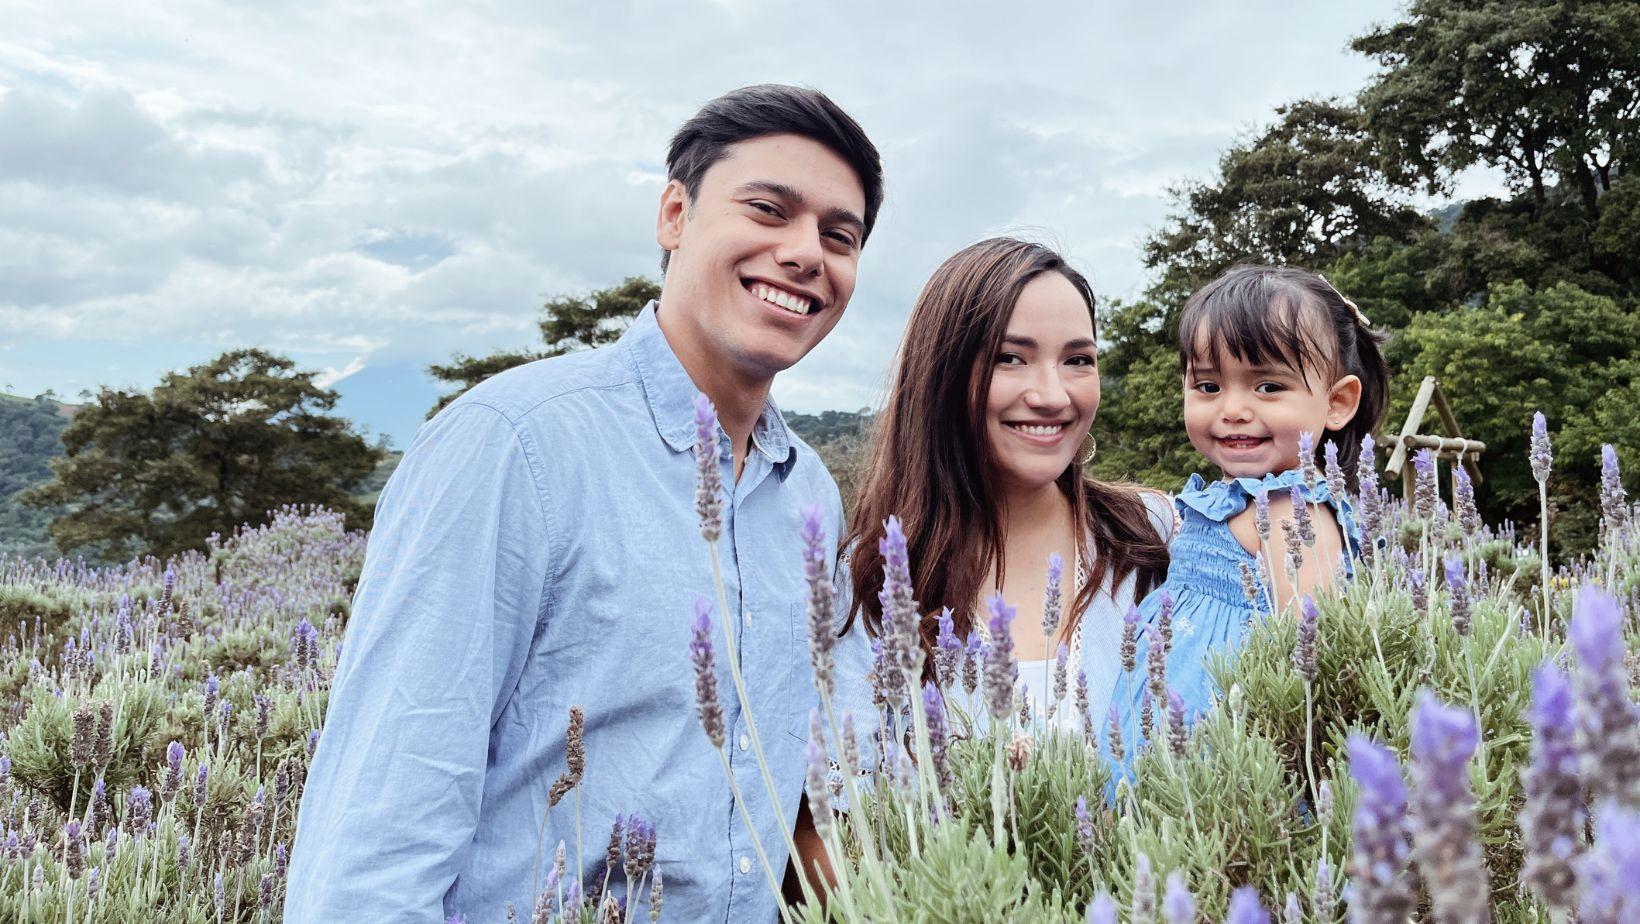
930 463
1264 315
773 109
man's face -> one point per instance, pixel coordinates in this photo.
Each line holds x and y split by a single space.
763 258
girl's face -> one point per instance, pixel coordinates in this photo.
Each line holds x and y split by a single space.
1044 386
1247 419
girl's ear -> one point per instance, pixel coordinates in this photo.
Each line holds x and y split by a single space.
1342 401
669 221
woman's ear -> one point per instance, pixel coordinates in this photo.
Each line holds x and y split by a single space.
1342 401
673 211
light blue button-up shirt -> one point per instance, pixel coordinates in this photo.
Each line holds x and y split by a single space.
538 549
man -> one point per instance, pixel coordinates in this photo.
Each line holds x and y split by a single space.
538 549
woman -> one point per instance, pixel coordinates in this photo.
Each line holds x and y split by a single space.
980 453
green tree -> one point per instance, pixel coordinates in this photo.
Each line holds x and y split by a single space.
568 323
28 440
208 449
1547 90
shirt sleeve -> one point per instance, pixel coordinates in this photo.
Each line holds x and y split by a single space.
445 611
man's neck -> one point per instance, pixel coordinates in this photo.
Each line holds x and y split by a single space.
739 400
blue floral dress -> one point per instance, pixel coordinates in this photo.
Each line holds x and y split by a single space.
1211 611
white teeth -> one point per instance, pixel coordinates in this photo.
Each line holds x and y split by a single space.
1039 431
793 303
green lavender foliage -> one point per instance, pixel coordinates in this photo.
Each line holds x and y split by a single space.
1234 808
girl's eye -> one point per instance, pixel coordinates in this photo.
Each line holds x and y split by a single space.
1207 388
1268 388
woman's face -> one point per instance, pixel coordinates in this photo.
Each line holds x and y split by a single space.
1044 384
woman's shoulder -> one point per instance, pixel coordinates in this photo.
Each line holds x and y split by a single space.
1163 517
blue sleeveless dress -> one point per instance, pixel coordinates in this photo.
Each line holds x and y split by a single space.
1211 612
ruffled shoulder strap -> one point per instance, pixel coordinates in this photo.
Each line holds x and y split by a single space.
1220 500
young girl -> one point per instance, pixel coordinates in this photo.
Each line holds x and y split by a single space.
1277 364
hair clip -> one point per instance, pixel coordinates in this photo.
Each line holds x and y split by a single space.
1360 316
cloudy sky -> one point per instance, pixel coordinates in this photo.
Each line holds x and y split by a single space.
368 188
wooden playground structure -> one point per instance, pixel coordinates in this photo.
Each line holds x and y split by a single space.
1453 447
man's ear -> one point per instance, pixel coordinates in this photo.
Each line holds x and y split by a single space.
673 212
1342 401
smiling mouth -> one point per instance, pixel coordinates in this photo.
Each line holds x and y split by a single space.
1037 429
782 298
1241 441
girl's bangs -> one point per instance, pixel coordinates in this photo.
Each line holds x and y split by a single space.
1259 327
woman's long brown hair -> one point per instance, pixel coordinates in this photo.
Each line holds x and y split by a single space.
931 465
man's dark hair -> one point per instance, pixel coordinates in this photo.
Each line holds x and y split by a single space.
772 109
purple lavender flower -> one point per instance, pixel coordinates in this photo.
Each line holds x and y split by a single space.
1610 871
1061 667
1130 638
73 850
708 470
1366 482
1302 523
947 650
1458 585
656 896
1114 723
1156 672
1336 484
1245 908
1304 653
1001 670
1551 821
818 792
1541 455
972 663
1379 892
1306 459
1084 826
849 748
1178 735
939 736
1614 505
139 809
219 895
1051 602
1261 513
821 599
312 742
902 641
1607 732
91 884
1144 891
212 688
1321 899
706 692
84 737
1443 810
1164 617
200 791
1178 905
1084 709
1424 496
1249 582
1463 501
1102 910
1418 586
172 783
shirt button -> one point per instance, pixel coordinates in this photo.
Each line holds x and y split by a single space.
745 742
745 864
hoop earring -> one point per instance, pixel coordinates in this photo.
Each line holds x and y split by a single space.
1089 449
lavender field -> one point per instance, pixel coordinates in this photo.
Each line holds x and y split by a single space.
1451 736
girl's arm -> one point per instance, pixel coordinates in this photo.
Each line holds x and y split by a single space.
1319 567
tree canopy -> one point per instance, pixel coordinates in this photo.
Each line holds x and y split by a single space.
568 323
1521 303
211 448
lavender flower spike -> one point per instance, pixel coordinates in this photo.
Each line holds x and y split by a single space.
1304 653
1130 638
1607 731
818 791
1463 499
1458 586
1102 910
948 650
1379 893
1614 505
1245 908
1144 892
1306 458
939 736
1051 600
1424 496
1261 513
1335 474
1611 869
1084 826
1449 858
706 691
1178 905
902 641
1551 821
708 473
1541 455
821 599
1001 670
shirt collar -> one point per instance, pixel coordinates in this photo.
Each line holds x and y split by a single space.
670 394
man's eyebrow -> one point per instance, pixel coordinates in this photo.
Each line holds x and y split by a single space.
834 215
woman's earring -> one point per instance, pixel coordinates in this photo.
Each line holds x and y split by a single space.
1089 448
